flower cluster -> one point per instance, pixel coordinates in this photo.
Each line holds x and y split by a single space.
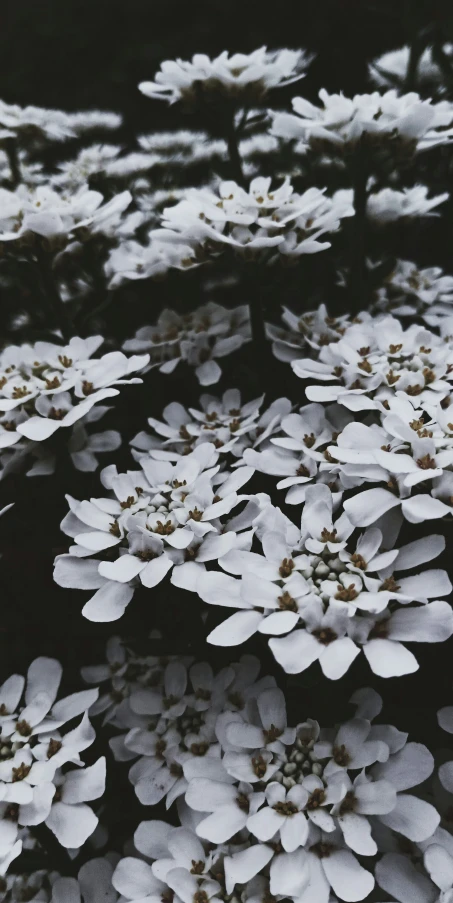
397 124
34 125
41 214
36 785
93 882
389 205
322 597
391 69
253 222
160 517
409 291
245 78
46 387
285 810
227 422
403 378
198 338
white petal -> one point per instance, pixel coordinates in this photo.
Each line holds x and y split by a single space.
236 629
412 817
133 878
439 864
444 717
243 866
412 765
122 570
357 834
398 877
109 603
389 659
446 776
72 825
296 651
337 657
77 573
367 507
348 879
85 783
222 824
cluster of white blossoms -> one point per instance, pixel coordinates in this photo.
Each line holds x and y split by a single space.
199 338
40 213
264 808
402 124
243 77
391 69
402 377
93 883
229 423
160 517
253 222
46 387
390 205
409 291
36 785
323 597
35 124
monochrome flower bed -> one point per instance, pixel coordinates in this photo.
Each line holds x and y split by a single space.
272 523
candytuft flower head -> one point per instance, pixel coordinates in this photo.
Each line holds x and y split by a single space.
322 597
280 811
35 784
245 78
384 125
262 223
47 387
159 517
200 339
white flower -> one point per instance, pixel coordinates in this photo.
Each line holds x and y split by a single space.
244 77
402 123
93 882
47 387
153 516
132 261
322 598
390 69
167 717
34 124
199 339
253 222
409 290
388 205
43 212
35 786
230 806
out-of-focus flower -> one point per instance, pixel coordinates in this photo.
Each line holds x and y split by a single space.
393 124
243 77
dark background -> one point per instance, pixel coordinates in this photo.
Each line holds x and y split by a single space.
81 54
